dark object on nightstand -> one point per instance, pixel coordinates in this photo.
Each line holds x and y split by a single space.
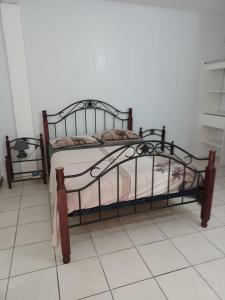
20 145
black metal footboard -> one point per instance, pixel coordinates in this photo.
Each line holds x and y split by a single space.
183 180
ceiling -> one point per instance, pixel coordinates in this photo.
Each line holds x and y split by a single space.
192 5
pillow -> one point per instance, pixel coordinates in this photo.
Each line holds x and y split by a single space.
117 136
74 141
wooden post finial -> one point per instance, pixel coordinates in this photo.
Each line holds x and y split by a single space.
212 157
130 119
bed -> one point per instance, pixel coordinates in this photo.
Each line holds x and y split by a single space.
103 182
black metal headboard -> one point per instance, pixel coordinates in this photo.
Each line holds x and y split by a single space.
109 117
85 117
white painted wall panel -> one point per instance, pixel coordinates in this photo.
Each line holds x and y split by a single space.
17 67
129 55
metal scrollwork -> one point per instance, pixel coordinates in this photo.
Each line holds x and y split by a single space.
89 104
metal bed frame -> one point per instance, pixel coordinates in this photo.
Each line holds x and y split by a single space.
202 191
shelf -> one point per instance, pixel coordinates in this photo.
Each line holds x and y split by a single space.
215 92
212 120
216 113
215 144
215 65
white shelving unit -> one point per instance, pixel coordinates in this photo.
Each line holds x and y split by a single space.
212 116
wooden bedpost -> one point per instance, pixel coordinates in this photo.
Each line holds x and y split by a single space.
8 171
63 215
8 150
130 119
141 132
43 159
208 189
163 137
46 137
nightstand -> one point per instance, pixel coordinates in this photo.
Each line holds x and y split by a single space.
22 153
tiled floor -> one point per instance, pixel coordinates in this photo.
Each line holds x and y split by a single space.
158 255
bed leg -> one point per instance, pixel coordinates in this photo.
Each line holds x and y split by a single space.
208 189
8 171
63 215
43 159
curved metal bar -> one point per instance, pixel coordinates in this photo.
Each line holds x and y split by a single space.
27 138
80 109
87 103
105 171
139 149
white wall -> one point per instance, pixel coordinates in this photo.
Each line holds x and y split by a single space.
14 45
129 55
7 124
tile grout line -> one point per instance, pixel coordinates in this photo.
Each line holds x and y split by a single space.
109 252
101 264
144 261
193 266
208 284
10 268
56 267
190 264
221 251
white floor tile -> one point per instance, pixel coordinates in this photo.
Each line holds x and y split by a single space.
144 290
217 201
36 285
10 203
220 172
176 227
32 257
186 285
111 242
162 257
133 220
187 207
15 191
8 218
145 234
34 200
34 232
217 237
219 213
35 187
103 296
3 288
214 273
124 267
196 248
220 183
194 219
105 227
81 247
34 214
166 218
5 261
220 194
161 213
81 279
7 237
